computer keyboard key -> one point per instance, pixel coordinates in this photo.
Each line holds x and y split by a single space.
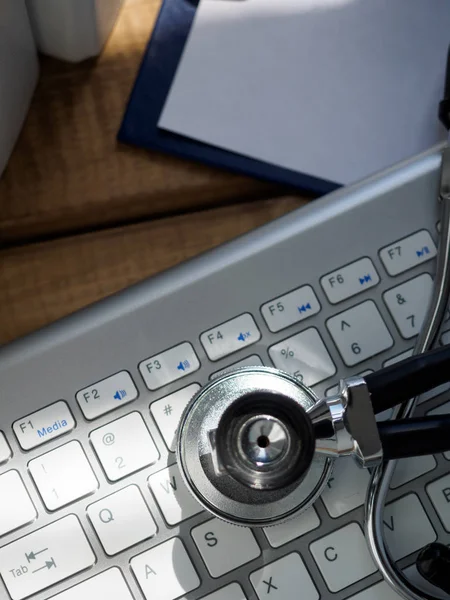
5 449
43 425
47 556
109 585
284 579
168 410
406 526
250 361
170 365
407 469
350 280
359 333
407 253
290 308
408 304
63 475
224 547
174 500
229 592
347 487
124 446
122 520
107 395
304 356
16 507
165 572
343 557
229 337
278 535
439 493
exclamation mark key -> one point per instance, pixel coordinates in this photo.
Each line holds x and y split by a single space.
107 395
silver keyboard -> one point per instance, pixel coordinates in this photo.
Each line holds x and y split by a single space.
91 502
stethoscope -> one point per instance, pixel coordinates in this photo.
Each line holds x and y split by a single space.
256 447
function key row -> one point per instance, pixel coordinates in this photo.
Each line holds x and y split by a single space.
359 333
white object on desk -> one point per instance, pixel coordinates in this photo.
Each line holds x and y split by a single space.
18 73
337 89
72 30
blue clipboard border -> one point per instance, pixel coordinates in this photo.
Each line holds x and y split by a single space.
140 123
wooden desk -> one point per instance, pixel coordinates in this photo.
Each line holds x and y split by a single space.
81 216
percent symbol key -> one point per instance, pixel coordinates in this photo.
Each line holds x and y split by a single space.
304 356
287 353
288 356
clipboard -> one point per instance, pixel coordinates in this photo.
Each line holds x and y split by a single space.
158 67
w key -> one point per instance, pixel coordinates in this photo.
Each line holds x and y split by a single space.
174 499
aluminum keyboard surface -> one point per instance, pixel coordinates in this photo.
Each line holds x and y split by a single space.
182 311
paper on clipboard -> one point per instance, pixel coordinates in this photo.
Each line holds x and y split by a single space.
337 89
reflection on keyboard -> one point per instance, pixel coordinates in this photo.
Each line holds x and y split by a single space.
92 504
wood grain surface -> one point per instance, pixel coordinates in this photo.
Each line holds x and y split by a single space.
69 174
82 217
40 283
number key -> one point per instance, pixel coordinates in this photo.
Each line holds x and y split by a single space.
359 333
124 446
63 475
408 304
304 356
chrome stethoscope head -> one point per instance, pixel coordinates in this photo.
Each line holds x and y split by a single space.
256 447
246 447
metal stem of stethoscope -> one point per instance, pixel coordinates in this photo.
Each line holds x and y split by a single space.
381 477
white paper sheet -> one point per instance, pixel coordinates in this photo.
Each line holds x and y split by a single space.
337 89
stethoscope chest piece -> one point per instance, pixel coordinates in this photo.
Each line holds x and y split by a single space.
240 452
